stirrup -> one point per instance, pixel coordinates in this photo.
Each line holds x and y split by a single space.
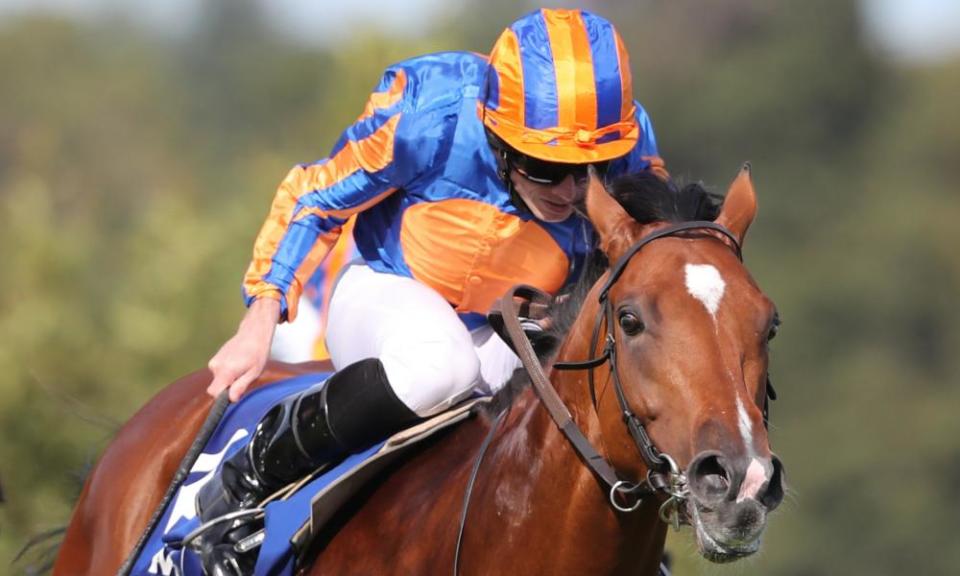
251 515
230 550
224 560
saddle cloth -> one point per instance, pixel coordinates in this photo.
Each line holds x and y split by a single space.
288 523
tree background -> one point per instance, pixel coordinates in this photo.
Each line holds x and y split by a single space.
135 171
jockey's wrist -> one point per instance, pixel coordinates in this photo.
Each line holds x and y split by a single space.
264 310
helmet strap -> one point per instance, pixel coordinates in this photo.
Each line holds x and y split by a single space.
508 182
504 168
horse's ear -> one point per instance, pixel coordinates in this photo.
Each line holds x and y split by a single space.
614 226
740 205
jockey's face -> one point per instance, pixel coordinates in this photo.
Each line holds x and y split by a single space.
549 202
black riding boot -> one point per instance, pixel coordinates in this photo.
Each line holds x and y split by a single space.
352 410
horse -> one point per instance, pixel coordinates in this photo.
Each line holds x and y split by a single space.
661 371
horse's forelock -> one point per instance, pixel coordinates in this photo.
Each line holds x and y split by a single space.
649 199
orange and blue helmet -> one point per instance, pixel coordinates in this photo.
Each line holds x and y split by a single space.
559 88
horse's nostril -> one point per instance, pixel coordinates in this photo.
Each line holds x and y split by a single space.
773 494
709 477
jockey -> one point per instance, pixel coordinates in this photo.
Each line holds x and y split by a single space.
305 339
463 172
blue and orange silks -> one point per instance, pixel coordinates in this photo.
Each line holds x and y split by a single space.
319 287
417 171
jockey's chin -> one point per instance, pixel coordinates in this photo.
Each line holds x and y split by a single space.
549 203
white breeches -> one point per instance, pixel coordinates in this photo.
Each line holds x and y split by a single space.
296 341
432 361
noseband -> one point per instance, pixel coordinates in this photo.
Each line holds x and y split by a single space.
663 474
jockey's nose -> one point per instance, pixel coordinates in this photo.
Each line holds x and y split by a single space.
567 191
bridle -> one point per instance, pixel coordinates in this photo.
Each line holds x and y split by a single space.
663 474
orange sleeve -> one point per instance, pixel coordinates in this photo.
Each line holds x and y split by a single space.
314 201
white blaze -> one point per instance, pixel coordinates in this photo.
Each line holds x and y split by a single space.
746 427
705 284
756 475
753 481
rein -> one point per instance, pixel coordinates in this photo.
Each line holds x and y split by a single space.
219 408
663 474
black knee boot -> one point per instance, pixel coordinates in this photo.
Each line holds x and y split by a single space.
352 410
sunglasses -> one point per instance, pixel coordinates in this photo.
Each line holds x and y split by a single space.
550 173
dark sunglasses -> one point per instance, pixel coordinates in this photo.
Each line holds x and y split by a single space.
550 173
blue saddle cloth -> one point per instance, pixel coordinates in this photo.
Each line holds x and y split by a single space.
162 555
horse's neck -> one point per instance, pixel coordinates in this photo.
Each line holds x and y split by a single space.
544 491
541 481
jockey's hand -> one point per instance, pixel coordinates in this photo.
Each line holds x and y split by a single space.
242 359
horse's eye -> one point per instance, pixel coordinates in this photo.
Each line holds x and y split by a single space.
630 323
774 328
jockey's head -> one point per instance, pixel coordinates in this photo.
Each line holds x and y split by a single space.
558 98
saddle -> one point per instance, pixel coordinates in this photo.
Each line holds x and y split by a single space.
291 519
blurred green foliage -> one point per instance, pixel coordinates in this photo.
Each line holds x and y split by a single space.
135 172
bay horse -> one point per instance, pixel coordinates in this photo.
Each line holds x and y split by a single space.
684 362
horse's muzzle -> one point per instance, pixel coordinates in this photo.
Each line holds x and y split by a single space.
729 502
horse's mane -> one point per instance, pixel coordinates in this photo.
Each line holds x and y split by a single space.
647 199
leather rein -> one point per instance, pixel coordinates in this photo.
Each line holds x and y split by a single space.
663 474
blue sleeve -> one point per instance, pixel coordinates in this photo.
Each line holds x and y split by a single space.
315 200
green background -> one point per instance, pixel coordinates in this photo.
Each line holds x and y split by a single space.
135 172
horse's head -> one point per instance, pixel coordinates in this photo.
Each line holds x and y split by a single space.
691 329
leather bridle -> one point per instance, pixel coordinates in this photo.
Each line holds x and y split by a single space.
663 474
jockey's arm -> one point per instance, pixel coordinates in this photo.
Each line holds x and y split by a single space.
646 151
243 357
310 207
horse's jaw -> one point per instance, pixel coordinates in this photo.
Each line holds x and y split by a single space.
729 533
